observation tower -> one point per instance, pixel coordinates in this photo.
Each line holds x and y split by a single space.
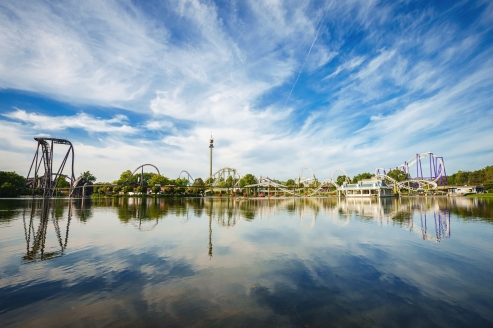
211 146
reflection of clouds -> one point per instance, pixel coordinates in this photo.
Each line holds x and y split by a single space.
268 270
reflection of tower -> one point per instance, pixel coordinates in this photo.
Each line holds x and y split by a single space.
210 236
211 145
210 230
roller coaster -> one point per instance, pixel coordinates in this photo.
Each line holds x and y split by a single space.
229 178
224 178
420 182
47 181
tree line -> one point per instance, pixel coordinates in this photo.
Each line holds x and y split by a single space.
12 184
482 176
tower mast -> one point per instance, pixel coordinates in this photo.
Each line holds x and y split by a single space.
211 146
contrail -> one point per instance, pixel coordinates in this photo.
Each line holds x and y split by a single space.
308 54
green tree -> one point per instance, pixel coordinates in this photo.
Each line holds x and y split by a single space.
146 177
290 183
182 182
488 185
398 175
10 184
198 182
155 189
158 179
88 176
461 178
474 178
62 182
248 179
221 183
362 176
168 190
127 189
126 175
230 181
117 189
341 179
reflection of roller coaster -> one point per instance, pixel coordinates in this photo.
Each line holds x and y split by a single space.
36 239
428 222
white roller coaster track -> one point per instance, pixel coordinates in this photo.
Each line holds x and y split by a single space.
224 173
267 182
326 182
312 186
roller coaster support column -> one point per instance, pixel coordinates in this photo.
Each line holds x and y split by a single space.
142 180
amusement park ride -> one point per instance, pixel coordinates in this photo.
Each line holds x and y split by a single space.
45 177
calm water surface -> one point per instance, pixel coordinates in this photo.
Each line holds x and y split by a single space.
424 262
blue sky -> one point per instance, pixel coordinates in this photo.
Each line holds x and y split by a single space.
282 85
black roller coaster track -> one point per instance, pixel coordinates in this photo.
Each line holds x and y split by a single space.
141 167
47 180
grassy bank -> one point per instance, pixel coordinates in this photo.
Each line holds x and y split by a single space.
488 195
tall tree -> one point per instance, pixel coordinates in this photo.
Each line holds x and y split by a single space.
398 175
248 179
182 182
198 182
362 176
158 179
290 182
62 182
126 175
342 178
88 176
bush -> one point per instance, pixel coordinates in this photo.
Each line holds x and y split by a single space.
10 184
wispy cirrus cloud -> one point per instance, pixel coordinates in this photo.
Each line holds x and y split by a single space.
76 51
382 81
79 121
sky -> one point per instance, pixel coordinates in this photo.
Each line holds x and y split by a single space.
281 85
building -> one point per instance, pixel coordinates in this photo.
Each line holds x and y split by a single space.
374 187
465 190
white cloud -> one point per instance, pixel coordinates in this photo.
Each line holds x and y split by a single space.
348 65
79 121
158 125
204 68
98 55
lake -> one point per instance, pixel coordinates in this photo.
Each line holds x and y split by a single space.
279 262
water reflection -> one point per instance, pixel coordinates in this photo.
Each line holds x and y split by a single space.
36 239
427 218
257 262
415 214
